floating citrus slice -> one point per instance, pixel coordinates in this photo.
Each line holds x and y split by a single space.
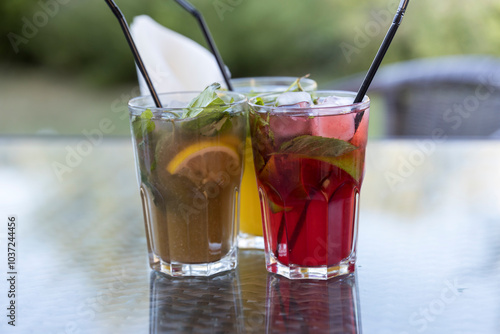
204 160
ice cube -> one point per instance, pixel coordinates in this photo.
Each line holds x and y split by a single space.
334 126
294 99
333 101
359 138
287 127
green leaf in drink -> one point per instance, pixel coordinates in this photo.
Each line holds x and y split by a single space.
331 150
259 101
201 104
316 146
259 161
206 124
276 208
211 116
143 123
296 86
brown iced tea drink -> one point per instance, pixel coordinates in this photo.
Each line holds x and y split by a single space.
190 157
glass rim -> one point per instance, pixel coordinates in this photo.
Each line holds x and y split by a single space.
275 78
133 102
342 109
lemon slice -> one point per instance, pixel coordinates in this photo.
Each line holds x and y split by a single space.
203 160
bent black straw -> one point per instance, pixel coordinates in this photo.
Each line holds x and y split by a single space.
135 52
378 58
208 37
382 50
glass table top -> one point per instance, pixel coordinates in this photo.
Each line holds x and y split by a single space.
428 249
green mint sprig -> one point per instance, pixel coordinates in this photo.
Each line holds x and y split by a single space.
296 83
208 111
330 150
143 124
317 146
207 99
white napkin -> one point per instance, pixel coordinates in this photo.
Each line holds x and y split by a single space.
174 62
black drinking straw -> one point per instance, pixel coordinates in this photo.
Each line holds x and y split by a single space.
382 50
135 52
357 120
208 37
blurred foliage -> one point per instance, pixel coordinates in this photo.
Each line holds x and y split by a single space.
258 37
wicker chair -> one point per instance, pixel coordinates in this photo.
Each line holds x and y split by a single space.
458 96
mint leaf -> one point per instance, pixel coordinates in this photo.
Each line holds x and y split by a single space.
316 146
331 150
208 111
275 208
259 101
208 124
216 126
208 98
262 127
143 124
296 83
258 120
259 161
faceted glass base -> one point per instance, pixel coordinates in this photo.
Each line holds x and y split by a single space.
228 262
248 241
345 267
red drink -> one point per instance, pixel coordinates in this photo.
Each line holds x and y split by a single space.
309 166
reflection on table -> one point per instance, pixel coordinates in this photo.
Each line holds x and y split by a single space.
312 306
224 303
196 304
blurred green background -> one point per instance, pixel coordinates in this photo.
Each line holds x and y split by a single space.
65 64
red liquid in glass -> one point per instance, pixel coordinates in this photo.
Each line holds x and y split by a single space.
308 203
